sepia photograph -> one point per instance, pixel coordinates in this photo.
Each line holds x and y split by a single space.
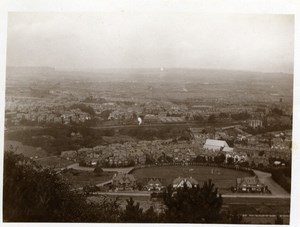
148 117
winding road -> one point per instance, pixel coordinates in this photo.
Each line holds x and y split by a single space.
276 189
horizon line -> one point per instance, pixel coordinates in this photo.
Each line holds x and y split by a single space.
94 70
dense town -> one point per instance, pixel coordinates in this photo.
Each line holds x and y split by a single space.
122 139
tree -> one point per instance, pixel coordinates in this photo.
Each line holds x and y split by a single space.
276 111
241 116
200 158
235 218
82 162
244 164
133 213
211 118
131 162
230 160
220 158
230 142
223 115
193 205
150 216
32 193
278 220
83 108
149 160
281 178
198 118
253 165
270 141
98 170
260 165
105 114
90 189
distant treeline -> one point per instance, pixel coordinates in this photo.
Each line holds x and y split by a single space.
57 138
60 138
142 133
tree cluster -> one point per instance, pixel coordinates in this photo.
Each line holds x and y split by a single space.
241 116
58 138
158 133
83 108
34 194
193 205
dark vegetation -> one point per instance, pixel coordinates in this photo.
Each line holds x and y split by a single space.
34 194
193 205
91 99
98 170
143 133
283 177
105 114
59 138
211 118
83 108
278 220
269 128
276 111
241 116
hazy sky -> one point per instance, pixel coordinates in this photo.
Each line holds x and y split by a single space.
77 41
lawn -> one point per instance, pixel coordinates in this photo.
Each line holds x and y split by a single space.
79 178
221 177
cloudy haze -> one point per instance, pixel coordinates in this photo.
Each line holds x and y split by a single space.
89 41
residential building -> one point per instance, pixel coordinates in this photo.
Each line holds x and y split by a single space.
249 184
217 145
124 181
154 185
179 182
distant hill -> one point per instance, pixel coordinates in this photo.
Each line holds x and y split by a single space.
29 70
166 75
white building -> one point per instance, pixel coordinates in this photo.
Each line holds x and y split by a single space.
180 181
217 145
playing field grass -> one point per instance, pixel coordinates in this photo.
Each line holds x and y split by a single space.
221 177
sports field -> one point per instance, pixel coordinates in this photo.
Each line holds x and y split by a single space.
221 177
